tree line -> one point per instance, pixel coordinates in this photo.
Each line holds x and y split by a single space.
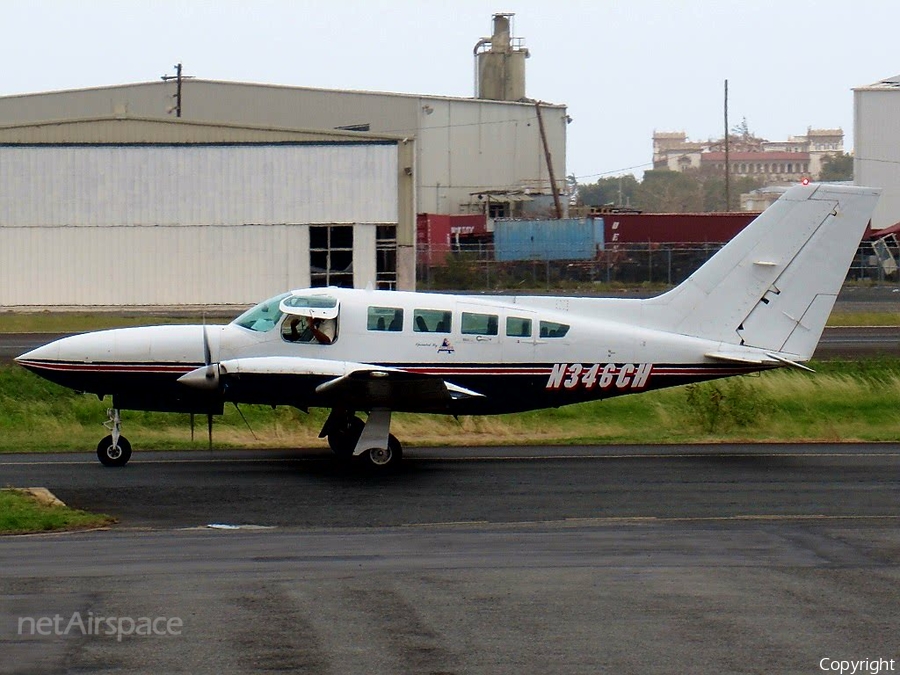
692 191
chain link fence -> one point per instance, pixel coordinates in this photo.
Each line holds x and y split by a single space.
473 267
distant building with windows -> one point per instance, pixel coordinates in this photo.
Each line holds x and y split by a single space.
775 161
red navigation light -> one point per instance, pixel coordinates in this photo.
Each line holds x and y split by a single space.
805 181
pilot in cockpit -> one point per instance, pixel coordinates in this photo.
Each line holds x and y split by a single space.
323 330
303 329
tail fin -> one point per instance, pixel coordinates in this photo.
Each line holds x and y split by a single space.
774 284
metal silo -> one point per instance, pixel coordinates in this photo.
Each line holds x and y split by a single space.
500 63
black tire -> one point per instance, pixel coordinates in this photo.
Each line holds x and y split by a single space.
379 459
111 455
343 441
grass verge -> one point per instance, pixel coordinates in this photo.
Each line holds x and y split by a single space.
843 401
23 513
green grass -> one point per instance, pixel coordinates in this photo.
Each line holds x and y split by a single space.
73 322
889 317
22 513
843 401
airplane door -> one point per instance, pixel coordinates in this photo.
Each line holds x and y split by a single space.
480 332
519 336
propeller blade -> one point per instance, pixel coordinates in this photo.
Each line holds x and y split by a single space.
209 422
207 354
207 375
192 427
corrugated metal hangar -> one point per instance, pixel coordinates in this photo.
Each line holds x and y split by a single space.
876 133
203 214
464 146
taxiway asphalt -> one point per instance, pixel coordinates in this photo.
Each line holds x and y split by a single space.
627 559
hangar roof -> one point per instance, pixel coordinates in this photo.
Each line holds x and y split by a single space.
275 88
117 129
886 83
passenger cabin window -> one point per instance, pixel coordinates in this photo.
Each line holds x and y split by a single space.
550 329
431 321
518 327
385 318
264 316
479 324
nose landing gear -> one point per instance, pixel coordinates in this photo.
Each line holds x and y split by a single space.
114 450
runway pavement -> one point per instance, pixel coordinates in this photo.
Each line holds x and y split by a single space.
701 559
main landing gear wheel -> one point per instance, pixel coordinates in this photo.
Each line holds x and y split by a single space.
112 454
381 459
343 439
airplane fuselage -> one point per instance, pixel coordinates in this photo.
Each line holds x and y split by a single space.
516 356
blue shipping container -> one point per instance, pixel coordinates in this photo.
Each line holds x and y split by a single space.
567 239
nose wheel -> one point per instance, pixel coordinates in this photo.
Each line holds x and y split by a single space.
112 453
114 450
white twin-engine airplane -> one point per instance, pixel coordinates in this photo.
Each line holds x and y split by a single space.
759 303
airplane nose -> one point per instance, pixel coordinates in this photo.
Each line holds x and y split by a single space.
82 348
47 352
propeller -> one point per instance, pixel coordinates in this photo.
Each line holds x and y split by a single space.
212 375
205 377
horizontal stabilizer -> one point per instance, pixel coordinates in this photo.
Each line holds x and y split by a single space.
746 359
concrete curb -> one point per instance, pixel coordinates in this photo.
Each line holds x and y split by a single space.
43 495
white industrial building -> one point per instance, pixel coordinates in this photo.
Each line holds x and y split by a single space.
876 130
493 143
464 146
205 192
92 213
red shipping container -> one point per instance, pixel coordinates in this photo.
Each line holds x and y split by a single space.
436 234
673 228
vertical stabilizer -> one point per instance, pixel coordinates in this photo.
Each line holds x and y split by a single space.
774 284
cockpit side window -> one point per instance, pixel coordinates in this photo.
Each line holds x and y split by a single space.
309 329
263 317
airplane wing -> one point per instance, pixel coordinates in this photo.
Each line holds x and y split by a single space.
350 384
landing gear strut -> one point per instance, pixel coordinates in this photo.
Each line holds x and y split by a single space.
114 450
371 441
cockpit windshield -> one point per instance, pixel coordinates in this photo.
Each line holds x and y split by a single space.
264 316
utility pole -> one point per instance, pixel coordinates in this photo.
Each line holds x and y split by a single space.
178 81
553 187
727 166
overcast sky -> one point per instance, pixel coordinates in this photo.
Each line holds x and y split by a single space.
624 67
